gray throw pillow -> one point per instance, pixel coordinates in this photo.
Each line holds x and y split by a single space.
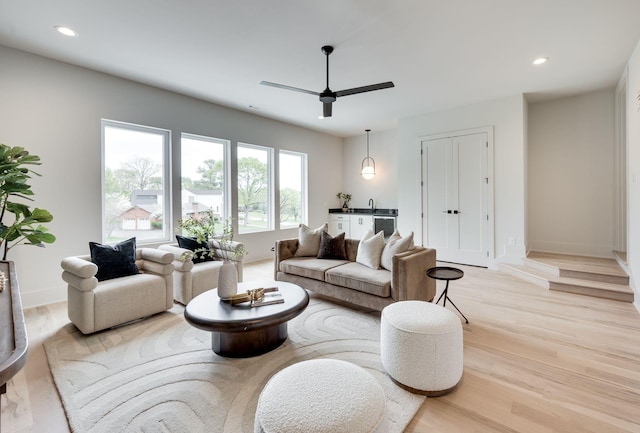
332 248
309 240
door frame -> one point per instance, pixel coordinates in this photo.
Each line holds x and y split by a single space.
490 223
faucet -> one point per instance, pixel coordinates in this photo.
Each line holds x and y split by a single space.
371 204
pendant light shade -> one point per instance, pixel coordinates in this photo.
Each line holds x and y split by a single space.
368 169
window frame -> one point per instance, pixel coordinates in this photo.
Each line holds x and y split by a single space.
270 188
167 200
304 180
227 208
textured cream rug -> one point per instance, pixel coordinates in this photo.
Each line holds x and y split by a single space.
160 374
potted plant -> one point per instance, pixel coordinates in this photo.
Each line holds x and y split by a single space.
204 228
346 199
25 226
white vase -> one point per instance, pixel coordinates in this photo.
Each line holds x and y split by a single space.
227 279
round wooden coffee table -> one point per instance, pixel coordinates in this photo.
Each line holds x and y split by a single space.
240 331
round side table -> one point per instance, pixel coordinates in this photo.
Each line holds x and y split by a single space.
447 274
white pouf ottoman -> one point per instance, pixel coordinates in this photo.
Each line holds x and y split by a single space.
421 346
321 395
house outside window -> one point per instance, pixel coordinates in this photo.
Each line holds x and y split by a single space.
292 168
255 190
135 183
205 176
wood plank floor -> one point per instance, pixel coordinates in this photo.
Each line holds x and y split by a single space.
535 361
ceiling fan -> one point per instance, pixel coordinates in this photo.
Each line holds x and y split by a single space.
328 96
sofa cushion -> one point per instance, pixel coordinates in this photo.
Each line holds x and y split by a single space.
370 249
114 261
395 245
309 267
309 240
332 247
361 278
201 250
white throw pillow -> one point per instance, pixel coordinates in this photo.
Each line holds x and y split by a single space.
370 249
309 240
395 245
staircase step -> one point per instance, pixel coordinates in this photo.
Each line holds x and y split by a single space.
598 289
544 274
588 268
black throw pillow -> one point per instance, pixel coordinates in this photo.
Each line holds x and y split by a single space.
332 248
114 261
203 253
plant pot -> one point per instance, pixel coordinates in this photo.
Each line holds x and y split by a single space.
227 280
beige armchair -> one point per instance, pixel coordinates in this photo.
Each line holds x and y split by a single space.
190 279
96 305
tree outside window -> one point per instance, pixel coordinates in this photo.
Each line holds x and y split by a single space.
254 188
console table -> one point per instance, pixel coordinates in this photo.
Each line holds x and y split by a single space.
13 331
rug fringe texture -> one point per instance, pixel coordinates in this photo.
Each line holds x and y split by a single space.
160 374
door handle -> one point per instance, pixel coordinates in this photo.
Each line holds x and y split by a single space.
456 212
446 211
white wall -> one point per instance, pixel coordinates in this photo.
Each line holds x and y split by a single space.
633 171
54 109
383 188
571 179
507 117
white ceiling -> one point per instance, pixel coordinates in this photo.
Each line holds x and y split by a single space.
439 53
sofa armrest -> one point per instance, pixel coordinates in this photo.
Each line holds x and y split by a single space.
284 249
156 261
79 267
182 257
408 277
80 273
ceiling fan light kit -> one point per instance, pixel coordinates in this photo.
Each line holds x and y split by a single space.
368 166
328 96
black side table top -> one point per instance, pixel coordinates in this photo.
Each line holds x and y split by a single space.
445 273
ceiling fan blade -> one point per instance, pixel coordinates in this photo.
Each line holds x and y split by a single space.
363 89
282 86
326 109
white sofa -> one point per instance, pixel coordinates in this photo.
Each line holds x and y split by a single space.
96 305
191 279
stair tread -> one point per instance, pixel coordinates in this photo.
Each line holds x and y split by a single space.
612 287
592 265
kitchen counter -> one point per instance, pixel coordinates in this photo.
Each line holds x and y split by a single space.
367 211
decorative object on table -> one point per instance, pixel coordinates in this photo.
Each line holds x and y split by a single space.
202 228
346 198
3 281
256 297
368 166
25 226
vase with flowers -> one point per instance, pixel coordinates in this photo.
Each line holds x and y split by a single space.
216 237
346 198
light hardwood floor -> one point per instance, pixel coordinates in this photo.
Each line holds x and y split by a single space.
534 361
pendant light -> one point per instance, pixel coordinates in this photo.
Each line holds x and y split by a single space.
368 164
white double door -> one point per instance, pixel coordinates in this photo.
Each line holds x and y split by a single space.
455 188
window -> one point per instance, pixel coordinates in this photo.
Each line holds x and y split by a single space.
293 191
255 196
135 183
205 174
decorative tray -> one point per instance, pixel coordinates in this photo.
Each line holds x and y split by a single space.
256 297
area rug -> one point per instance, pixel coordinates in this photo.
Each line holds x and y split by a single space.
160 374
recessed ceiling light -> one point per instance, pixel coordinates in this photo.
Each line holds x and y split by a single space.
540 60
65 31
